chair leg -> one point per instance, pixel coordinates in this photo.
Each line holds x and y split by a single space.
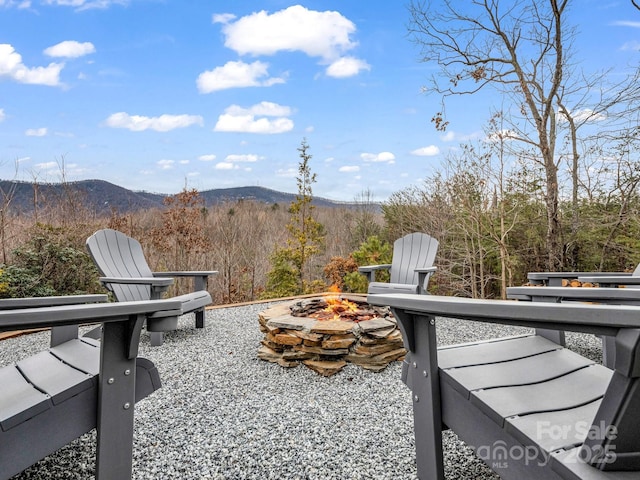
609 352
427 414
157 338
200 318
62 334
116 399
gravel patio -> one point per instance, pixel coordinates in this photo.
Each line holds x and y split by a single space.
224 414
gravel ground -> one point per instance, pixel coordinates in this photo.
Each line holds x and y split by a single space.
224 414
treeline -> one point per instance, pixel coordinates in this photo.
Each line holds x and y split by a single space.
489 238
46 255
491 220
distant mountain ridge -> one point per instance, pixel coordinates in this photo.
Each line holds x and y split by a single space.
104 197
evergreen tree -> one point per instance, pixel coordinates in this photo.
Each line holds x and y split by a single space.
306 237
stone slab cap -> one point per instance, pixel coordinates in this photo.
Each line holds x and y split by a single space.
375 324
332 327
292 323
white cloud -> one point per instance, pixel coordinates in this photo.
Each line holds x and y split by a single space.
386 157
231 162
318 34
501 136
268 109
242 158
20 4
2 115
632 45
225 166
55 167
86 4
163 123
165 164
47 166
70 49
11 66
287 173
223 17
349 169
325 35
347 67
626 23
36 132
236 75
429 151
584 115
449 136
207 158
239 119
184 162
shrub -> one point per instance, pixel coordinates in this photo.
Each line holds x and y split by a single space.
50 263
20 282
372 252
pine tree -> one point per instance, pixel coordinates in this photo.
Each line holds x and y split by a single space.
306 236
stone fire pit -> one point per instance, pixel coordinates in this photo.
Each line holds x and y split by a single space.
325 338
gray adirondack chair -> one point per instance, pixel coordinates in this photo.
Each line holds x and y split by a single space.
609 296
530 408
554 292
51 398
554 279
410 268
126 273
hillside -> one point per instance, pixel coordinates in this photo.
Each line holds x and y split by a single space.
104 196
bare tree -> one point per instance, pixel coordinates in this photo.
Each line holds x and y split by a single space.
522 50
7 194
516 47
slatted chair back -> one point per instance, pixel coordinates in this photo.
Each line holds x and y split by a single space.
416 250
117 255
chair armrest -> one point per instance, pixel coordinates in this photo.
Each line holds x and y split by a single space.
155 282
554 279
33 302
425 269
578 317
28 318
370 270
157 285
424 273
199 277
194 273
621 296
611 279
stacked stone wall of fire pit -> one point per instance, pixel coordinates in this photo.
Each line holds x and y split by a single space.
369 338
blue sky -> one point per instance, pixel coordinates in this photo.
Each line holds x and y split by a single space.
158 94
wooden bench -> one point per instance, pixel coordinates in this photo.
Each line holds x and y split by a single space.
529 408
49 399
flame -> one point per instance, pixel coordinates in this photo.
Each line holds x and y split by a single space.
335 304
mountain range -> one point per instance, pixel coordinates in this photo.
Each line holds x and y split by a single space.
104 197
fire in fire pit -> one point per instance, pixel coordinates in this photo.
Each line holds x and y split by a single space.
337 307
324 333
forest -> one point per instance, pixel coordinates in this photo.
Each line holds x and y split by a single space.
490 223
